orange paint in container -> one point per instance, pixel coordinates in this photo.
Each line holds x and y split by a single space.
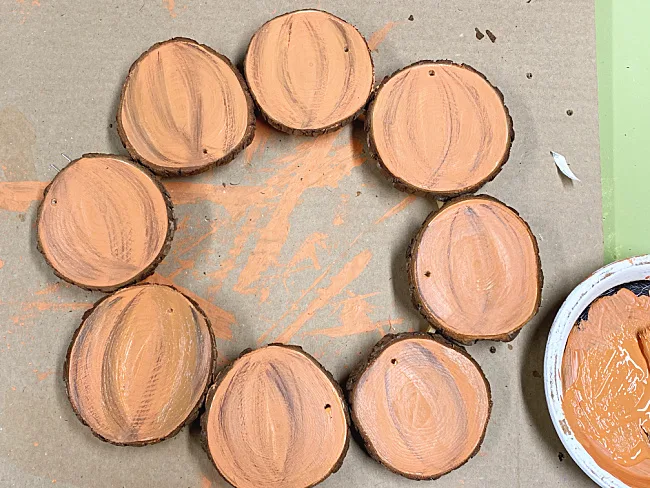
607 388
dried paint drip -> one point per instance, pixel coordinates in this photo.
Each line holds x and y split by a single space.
457 139
309 72
104 223
276 418
139 365
420 404
184 108
606 385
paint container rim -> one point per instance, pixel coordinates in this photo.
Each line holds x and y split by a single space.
617 273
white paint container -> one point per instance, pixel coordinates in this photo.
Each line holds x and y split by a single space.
618 273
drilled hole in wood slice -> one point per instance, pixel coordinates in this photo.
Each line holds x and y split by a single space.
107 222
485 278
309 72
270 401
135 372
184 108
421 405
439 128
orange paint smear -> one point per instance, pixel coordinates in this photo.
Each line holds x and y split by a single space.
169 5
256 148
32 309
205 482
43 375
17 196
315 163
307 252
607 385
220 320
408 200
355 318
2 263
350 272
378 37
49 289
234 199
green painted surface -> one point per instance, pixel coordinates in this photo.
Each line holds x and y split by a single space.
624 110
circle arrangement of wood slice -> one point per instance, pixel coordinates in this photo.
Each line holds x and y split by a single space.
139 365
275 418
474 270
420 404
104 222
309 72
440 128
184 108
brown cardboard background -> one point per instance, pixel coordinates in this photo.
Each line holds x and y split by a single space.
61 68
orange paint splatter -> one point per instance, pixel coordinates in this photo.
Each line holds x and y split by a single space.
17 196
350 272
315 163
35 444
307 252
24 10
32 309
338 220
169 5
234 199
220 320
54 287
205 482
408 200
355 318
43 375
378 37
2 263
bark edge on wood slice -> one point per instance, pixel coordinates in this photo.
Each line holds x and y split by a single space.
422 345
432 71
353 45
149 186
530 260
196 157
336 408
208 369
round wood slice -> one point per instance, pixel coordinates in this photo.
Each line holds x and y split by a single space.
474 270
139 365
438 127
275 418
421 405
184 108
105 222
309 72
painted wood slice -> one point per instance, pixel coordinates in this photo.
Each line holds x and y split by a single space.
474 270
309 72
275 418
184 108
420 404
438 127
139 365
104 222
